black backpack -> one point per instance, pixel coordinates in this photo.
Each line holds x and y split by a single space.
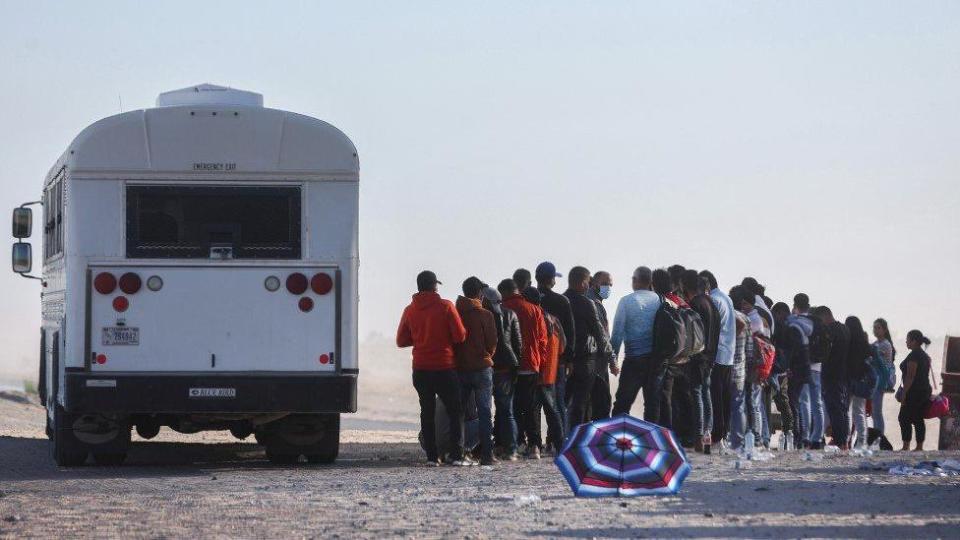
696 334
669 333
820 342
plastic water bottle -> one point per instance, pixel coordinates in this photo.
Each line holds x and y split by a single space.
789 437
783 441
749 443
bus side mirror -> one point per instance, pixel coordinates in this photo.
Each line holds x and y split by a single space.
22 222
22 258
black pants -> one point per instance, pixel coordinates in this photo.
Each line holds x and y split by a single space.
682 402
446 385
525 408
639 373
580 386
911 418
796 381
836 400
777 392
720 392
600 401
547 401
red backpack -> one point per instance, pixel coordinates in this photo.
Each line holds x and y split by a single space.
764 354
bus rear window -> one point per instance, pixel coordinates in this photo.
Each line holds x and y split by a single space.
182 222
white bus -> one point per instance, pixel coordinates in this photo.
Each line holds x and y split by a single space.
199 271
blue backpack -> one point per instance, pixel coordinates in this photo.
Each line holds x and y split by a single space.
867 384
886 375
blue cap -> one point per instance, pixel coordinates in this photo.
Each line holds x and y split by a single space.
547 270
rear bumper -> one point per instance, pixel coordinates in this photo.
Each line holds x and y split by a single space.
210 393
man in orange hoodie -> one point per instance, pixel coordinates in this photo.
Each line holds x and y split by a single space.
474 358
533 331
432 326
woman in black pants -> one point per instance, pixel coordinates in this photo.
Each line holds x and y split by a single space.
916 391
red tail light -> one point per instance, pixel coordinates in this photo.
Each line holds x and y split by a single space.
105 283
130 283
101 359
121 303
306 304
297 283
321 283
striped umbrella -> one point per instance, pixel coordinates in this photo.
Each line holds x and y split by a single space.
622 456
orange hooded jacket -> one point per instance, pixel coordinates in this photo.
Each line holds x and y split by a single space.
533 331
432 326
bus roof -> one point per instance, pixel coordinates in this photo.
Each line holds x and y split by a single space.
209 129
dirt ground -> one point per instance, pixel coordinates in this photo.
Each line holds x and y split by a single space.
217 488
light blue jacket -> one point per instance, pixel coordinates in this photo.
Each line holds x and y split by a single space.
633 323
728 327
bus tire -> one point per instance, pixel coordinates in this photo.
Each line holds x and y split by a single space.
329 447
65 449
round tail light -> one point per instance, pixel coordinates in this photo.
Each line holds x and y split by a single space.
306 304
154 283
272 283
130 283
297 283
105 283
120 304
321 283
101 359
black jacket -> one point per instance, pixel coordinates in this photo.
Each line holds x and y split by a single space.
835 366
704 307
509 342
590 337
559 306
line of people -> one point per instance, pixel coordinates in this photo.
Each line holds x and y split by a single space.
709 364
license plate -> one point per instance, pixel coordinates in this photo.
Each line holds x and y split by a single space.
121 335
212 392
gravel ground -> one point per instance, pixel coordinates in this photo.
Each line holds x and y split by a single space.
217 488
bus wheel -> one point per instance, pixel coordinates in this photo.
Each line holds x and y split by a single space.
66 450
109 459
329 446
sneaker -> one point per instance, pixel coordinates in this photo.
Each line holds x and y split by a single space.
465 461
488 461
432 462
533 453
512 456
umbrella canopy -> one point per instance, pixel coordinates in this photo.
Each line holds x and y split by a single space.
622 456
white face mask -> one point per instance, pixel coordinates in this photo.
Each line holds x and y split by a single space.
604 292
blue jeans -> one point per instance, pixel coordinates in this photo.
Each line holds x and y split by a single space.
877 411
754 406
811 408
506 424
738 412
481 384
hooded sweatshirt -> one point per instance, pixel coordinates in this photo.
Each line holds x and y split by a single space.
797 342
432 326
476 352
533 331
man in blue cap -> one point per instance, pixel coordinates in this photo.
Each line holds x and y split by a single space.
559 306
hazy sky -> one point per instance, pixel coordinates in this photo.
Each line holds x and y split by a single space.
810 144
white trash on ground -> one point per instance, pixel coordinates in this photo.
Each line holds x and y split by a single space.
525 500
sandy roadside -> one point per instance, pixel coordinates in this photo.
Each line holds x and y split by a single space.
215 487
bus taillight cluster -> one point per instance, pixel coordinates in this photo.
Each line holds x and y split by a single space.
297 284
129 283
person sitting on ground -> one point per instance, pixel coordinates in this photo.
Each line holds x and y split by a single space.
432 326
533 330
474 359
914 395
